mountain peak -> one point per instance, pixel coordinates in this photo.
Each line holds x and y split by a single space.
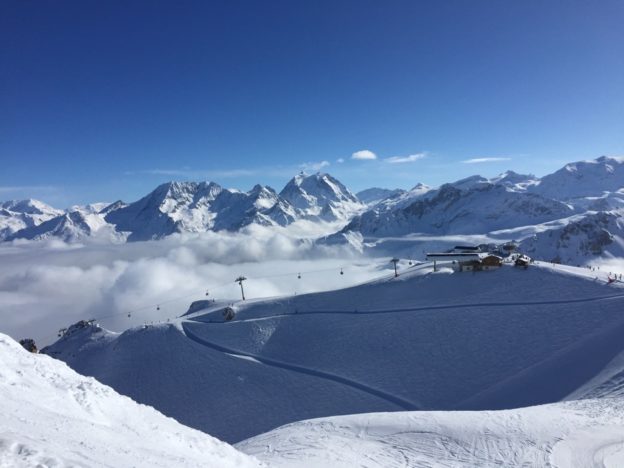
29 206
586 178
314 193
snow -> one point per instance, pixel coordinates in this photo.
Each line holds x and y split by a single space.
52 416
478 209
538 352
581 434
583 179
374 195
320 195
512 337
223 395
19 214
510 202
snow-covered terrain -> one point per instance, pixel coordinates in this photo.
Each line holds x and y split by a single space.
53 417
456 210
583 179
512 337
374 195
581 434
577 224
16 215
369 372
320 195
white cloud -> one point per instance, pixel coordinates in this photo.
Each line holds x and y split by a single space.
484 160
364 155
314 166
405 159
340 160
44 287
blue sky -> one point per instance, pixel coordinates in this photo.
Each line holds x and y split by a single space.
104 100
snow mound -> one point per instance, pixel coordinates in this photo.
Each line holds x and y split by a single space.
52 416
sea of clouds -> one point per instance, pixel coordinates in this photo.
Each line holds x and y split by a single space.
50 284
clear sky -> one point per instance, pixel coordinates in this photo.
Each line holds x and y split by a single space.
102 100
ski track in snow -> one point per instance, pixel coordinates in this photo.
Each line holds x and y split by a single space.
398 401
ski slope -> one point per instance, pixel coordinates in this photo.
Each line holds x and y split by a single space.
415 336
53 417
423 341
221 394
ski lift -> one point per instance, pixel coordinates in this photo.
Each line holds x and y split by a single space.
158 307
129 314
341 272
298 275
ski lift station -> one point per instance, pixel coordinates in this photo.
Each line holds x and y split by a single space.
466 261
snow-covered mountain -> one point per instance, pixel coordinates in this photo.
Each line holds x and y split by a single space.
177 207
509 203
512 337
171 207
72 226
511 206
468 206
51 416
374 195
19 214
321 195
583 179
581 240
199 207
514 181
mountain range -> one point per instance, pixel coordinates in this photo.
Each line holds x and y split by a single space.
536 211
176 207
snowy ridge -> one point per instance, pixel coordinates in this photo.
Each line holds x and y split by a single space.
467 208
581 240
52 416
72 226
16 215
583 179
374 195
321 195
